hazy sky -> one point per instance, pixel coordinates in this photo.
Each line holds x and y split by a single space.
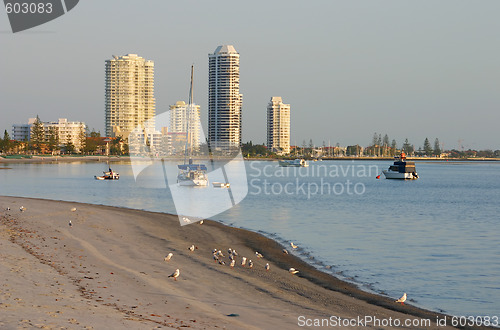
411 69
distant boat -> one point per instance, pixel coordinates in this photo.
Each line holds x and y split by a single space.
220 185
293 163
110 175
191 174
401 169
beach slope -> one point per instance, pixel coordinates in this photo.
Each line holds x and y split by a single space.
107 270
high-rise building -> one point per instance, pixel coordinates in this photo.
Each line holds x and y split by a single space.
224 99
129 94
278 126
179 118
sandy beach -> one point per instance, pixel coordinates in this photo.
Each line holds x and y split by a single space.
107 271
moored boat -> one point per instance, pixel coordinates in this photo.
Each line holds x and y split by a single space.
110 175
401 169
293 163
220 185
191 174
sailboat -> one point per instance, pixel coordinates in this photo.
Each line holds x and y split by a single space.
191 174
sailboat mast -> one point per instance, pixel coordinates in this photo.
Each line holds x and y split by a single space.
188 112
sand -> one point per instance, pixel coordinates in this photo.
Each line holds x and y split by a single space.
107 271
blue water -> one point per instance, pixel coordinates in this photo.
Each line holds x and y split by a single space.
436 238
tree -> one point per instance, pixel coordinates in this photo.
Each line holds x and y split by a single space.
427 148
437 148
70 147
394 146
53 141
5 144
82 139
385 141
37 134
407 147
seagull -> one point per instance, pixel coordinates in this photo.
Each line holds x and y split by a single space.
22 209
285 251
267 266
201 222
192 247
250 263
73 209
243 261
402 299
231 257
293 245
221 262
70 224
258 255
169 256
229 251
235 253
293 271
7 209
219 253
214 251
232 263
175 274
216 258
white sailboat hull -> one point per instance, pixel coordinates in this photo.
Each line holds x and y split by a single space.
192 183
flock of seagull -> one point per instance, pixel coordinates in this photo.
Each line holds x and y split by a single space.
218 255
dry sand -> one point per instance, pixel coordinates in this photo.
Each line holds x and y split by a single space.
107 271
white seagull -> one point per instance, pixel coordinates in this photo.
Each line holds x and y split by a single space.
73 209
250 263
258 255
175 274
293 245
293 271
169 256
7 209
192 248
285 251
232 263
402 299
243 261
267 266
70 224
22 209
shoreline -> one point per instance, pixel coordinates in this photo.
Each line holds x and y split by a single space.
318 288
110 159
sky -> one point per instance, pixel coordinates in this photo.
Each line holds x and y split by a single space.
408 69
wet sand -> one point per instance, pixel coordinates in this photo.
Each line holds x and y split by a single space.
107 271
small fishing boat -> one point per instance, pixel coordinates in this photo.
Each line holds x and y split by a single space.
293 163
220 185
110 175
401 169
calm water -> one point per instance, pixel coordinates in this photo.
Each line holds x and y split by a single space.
437 238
